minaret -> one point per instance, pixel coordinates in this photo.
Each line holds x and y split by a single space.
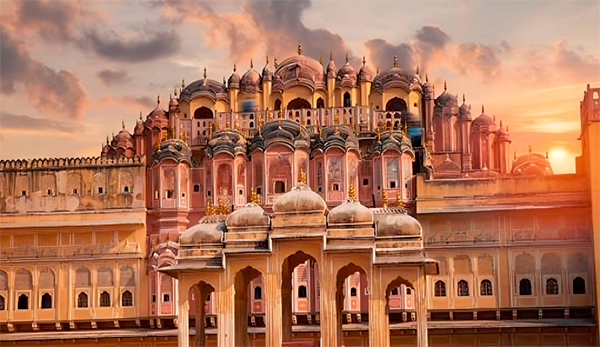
331 75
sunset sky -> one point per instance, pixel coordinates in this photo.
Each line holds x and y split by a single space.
71 70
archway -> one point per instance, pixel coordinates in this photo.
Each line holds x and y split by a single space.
243 292
395 104
320 103
298 104
347 100
201 311
203 113
300 301
352 303
400 304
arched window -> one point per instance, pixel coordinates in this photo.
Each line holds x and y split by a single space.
277 105
298 104
251 124
463 288
395 291
23 303
104 299
347 100
486 288
203 113
352 291
525 287
320 103
439 288
395 104
408 291
2 303
551 286
257 293
279 187
578 285
46 300
127 299
166 298
302 292
82 300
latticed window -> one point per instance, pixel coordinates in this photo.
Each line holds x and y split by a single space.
552 286
82 300
463 288
525 287
486 288
439 288
127 299
104 299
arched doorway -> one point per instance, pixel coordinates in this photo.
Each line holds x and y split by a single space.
245 292
395 104
298 104
347 100
400 305
352 303
320 103
202 313
300 301
277 106
203 113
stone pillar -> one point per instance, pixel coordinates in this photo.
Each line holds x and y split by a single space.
421 308
183 321
378 318
225 318
272 301
329 324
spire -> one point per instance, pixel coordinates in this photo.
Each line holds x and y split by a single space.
234 67
445 86
140 115
321 59
158 99
175 92
251 63
395 60
426 78
464 98
417 72
331 55
275 65
267 58
346 58
364 60
500 123
123 124
482 109
204 73
530 148
515 157
182 83
299 49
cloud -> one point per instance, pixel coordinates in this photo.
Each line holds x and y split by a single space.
146 47
22 123
140 101
478 58
381 55
57 93
51 20
112 77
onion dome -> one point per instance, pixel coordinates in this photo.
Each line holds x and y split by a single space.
251 215
299 70
446 99
393 222
158 112
396 78
250 81
483 119
173 100
234 79
139 126
123 139
301 199
346 76
532 164
209 230
365 74
350 212
331 69
464 110
503 135
267 74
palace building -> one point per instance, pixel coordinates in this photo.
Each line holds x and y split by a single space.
304 205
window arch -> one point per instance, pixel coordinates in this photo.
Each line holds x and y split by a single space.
82 300
23 302
2 303
551 286
525 287
439 288
486 288
347 100
298 104
463 288
578 285
203 113
279 187
105 277
395 104
105 299
302 292
127 299
320 103
82 277
395 291
257 293
352 291
277 106
46 301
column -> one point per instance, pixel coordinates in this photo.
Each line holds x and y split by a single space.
272 302
183 321
329 326
421 305
378 320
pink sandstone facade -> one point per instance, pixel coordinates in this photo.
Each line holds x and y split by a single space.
304 205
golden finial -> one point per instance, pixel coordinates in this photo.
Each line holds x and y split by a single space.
384 199
299 49
399 203
204 73
280 115
156 146
209 132
364 60
417 72
378 134
275 64
210 208
529 148
320 131
321 59
302 176
158 99
269 115
218 125
336 117
351 193
463 98
140 115
251 63
391 127
227 124
183 136
255 199
482 109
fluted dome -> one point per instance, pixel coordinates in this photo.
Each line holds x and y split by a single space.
397 224
483 120
446 100
157 113
301 199
365 73
351 212
209 230
331 69
464 111
300 70
123 139
250 81
532 164
234 79
249 216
